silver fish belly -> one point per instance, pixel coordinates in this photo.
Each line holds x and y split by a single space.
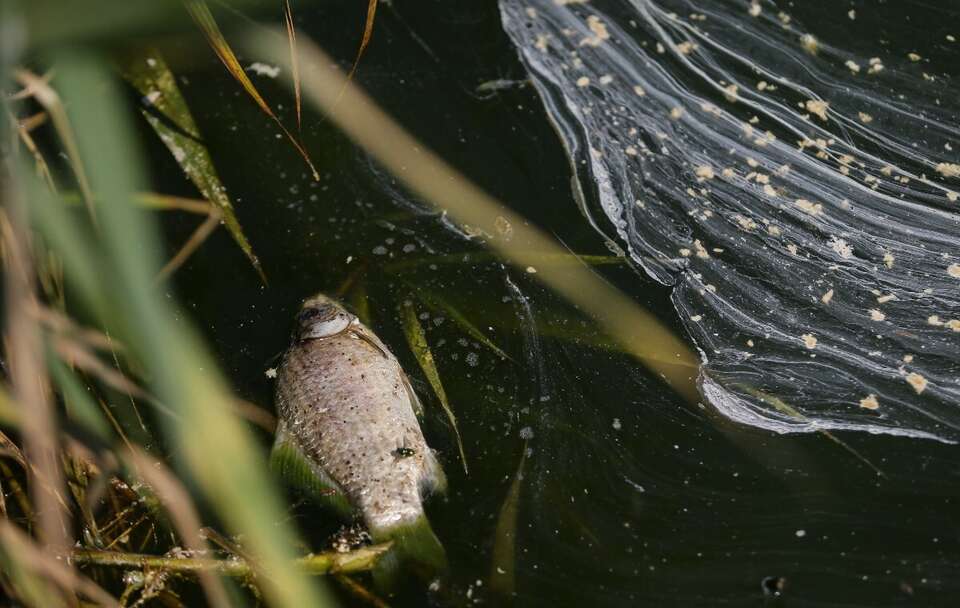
346 406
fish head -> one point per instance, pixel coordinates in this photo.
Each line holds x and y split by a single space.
321 317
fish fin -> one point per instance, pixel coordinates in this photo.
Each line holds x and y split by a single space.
415 547
435 480
414 399
289 460
361 333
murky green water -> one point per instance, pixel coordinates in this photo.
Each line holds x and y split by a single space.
628 495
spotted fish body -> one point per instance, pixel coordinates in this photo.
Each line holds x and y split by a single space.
348 431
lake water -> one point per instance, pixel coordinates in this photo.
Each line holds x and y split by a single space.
590 481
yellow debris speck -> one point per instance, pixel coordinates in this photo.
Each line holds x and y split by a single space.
704 172
746 223
599 29
809 340
809 207
639 90
869 402
730 92
853 66
754 9
864 117
913 57
809 44
953 324
827 297
877 315
948 169
918 382
818 107
954 270
701 250
676 113
888 259
531 270
583 81
271 372
934 320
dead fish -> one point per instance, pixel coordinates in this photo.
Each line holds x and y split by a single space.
348 434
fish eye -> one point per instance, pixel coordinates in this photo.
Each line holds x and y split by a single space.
306 314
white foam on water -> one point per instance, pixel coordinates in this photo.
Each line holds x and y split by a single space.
805 212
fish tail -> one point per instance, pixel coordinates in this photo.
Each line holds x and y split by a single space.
415 547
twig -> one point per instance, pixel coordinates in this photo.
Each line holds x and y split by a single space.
359 560
359 591
196 239
47 97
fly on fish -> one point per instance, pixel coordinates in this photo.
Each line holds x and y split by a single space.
348 434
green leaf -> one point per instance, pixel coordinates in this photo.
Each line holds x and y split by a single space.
503 570
417 339
442 304
171 119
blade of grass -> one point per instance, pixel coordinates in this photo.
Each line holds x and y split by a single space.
53 569
79 404
367 35
417 339
200 12
197 237
427 175
478 257
170 118
43 168
438 303
9 412
28 375
294 62
791 411
503 577
47 97
214 446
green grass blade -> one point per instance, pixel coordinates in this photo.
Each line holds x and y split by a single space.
503 570
215 447
440 303
201 14
417 339
80 406
148 73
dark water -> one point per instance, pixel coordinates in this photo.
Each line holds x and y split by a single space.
629 495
